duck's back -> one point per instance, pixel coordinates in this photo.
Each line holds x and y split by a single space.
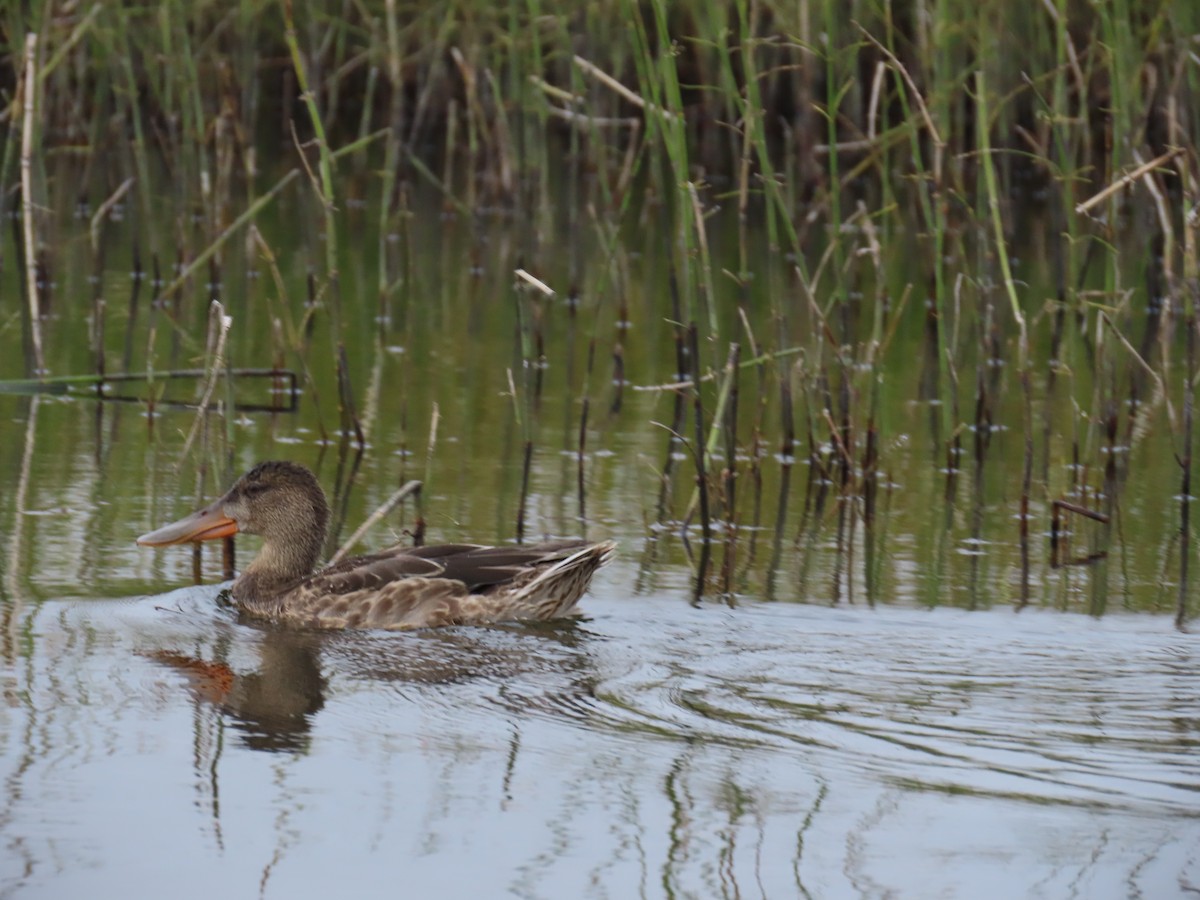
443 584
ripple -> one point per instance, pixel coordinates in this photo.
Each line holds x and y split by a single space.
1046 707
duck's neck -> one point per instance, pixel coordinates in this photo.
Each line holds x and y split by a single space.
280 564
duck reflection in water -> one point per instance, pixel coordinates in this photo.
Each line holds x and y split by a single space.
271 706
274 706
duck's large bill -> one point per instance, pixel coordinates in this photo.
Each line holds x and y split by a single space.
205 525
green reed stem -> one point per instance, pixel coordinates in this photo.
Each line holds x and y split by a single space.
325 157
983 132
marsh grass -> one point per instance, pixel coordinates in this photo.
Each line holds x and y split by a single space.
789 164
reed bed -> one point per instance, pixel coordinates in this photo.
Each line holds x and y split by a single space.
822 186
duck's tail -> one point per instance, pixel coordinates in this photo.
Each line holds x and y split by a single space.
554 591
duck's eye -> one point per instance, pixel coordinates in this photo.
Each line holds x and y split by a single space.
253 490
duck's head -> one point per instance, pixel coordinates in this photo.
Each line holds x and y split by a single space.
282 501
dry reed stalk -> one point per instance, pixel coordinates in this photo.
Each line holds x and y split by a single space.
1191 290
29 103
98 312
580 457
135 293
616 87
526 468
896 64
221 324
1127 179
430 447
618 378
1185 465
11 611
1147 368
583 425
349 412
699 452
410 488
729 474
1026 484
207 253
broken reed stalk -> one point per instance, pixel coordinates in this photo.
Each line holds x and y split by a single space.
539 360
756 443
583 426
728 380
220 325
730 473
618 378
580 456
841 434
29 103
418 535
529 337
700 451
98 309
135 293
1185 464
526 468
1026 486
699 455
410 488
344 480
679 411
151 343
346 405
870 493
1127 179
1053 364
1191 295
186 272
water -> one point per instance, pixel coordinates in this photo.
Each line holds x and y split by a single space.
652 748
767 741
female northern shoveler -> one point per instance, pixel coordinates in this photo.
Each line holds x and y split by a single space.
397 588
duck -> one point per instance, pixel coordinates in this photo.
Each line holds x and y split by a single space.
395 589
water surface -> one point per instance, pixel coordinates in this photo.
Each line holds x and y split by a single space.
651 748
828 721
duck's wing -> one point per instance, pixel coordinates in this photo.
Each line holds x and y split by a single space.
483 568
416 587
393 564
